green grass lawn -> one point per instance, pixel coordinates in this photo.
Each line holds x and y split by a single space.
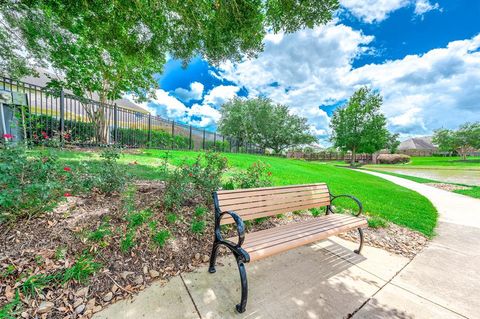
379 197
474 191
472 163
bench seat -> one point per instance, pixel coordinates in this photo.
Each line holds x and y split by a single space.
268 242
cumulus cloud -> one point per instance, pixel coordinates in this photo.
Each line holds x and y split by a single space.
371 11
207 115
194 93
220 94
310 68
424 6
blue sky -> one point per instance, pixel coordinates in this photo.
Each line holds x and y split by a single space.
422 55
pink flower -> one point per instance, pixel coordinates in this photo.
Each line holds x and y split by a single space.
67 169
45 135
67 194
7 136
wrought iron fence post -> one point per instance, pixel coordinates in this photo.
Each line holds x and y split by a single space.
62 114
215 141
190 139
173 134
223 143
115 123
149 130
203 143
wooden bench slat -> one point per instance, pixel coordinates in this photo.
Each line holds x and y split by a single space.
262 243
302 193
222 195
265 211
245 190
275 202
295 227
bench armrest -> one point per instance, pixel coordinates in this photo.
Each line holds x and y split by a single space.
359 204
240 226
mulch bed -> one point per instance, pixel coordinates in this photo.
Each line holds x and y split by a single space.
31 247
447 187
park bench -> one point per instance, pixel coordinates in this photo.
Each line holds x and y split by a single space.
235 206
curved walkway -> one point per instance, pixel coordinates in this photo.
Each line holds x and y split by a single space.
443 280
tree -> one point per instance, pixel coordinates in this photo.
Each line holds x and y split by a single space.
359 126
392 143
264 123
109 48
464 140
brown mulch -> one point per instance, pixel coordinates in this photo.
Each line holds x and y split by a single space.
31 247
448 187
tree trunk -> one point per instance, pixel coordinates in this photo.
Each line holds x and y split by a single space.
354 155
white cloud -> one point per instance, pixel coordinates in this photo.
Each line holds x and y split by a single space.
208 115
371 11
314 67
195 92
220 94
168 105
424 6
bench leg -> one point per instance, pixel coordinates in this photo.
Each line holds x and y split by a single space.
360 232
213 257
243 279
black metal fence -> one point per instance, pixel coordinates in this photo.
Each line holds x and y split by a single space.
86 122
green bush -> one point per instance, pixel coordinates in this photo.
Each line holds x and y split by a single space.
29 186
198 226
257 175
158 139
160 237
316 211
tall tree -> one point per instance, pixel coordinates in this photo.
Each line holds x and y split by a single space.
464 140
112 47
360 126
264 123
392 143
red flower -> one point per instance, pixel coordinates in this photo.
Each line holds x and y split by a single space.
67 194
269 173
44 134
190 174
7 136
67 169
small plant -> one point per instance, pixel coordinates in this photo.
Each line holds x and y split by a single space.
82 269
138 218
376 222
160 237
260 220
100 233
316 212
11 310
7 272
36 283
171 218
128 242
200 211
198 226
60 253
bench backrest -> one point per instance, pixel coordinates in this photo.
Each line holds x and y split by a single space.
262 202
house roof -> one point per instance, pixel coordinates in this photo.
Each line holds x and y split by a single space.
43 79
417 143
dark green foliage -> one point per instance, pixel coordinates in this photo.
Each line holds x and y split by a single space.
359 126
138 218
160 237
256 175
200 211
158 139
463 140
217 146
260 220
81 270
36 283
316 211
128 241
171 218
198 226
11 310
29 186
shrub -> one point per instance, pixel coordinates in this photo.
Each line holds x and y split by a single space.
393 158
28 186
316 212
200 211
158 139
171 218
257 175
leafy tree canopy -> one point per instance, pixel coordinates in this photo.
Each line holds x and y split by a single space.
264 123
464 140
360 126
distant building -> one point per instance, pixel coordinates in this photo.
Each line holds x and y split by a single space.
417 146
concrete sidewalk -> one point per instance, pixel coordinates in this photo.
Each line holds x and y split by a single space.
327 280
324 280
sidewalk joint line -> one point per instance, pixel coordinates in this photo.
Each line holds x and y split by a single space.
191 298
